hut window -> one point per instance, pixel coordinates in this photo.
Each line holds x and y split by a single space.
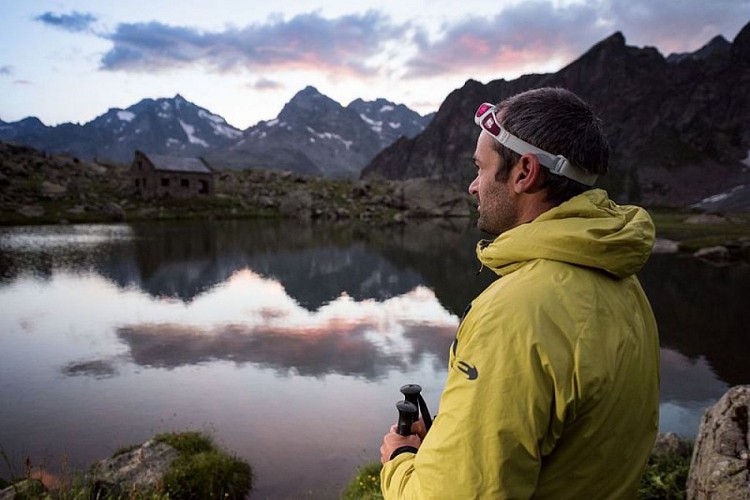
184 183
165 181
203 186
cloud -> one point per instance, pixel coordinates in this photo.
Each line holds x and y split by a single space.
306 41
677 25
22 82
266 84
525 35
74 22
531 34
336 346
6 70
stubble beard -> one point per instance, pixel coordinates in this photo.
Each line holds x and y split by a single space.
496 216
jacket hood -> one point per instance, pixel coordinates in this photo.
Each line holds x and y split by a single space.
587 230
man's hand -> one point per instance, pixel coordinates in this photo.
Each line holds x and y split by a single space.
393 440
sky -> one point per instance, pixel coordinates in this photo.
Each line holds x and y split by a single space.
72 60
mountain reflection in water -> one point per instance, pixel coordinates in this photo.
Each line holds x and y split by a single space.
254 328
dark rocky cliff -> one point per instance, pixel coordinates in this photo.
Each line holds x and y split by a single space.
679 131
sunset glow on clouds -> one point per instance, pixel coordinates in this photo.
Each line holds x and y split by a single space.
78 58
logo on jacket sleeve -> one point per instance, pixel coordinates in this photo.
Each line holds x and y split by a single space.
468 369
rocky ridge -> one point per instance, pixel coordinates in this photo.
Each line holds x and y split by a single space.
679 131
315 135
171 126
41 188
312 134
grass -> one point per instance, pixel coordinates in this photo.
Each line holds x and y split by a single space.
670 224
366 484
665 478
201 471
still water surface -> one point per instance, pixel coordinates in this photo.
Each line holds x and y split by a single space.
287 343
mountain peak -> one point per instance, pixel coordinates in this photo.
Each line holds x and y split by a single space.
308 101
741 45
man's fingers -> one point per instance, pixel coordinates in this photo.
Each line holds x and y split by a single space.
419 429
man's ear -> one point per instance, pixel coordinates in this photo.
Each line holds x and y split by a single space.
527 174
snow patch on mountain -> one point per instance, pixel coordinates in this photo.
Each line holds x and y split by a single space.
125 116
374 125
189 130
330 136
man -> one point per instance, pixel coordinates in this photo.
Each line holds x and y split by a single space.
553 380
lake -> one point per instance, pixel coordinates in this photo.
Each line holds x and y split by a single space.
286 342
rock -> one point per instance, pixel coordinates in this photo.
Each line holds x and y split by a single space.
706 219
662 245
297 204
360 189
28 488
31 211
139 469
52 190
266 202
718 254
670 444
719 467
77 210
114 211
433 198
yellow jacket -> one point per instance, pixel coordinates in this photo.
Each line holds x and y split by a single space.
553 379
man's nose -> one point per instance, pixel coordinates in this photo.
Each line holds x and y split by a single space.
474 186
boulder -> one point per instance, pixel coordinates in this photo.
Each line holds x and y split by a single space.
719 467
52 190
433 198
297 204
31 211
138 470
662 245
114 212
28 488
706 219
670 444
718 254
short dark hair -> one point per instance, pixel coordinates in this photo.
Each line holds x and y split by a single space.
558 121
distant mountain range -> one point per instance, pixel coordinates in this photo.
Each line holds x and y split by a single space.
166 126
313 134
679 127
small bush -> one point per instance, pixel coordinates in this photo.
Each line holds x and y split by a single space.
366 484
202 471
665 477
187 443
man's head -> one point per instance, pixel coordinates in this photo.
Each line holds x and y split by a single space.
551 119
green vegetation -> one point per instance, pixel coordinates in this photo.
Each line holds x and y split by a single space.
366 484
671 224
665 478
201 471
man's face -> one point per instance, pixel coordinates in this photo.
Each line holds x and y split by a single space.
496 201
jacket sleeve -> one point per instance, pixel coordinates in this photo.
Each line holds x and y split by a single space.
496 419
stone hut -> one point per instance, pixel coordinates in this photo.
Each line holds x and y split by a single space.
160 176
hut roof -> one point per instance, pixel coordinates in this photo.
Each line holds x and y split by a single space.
164 163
